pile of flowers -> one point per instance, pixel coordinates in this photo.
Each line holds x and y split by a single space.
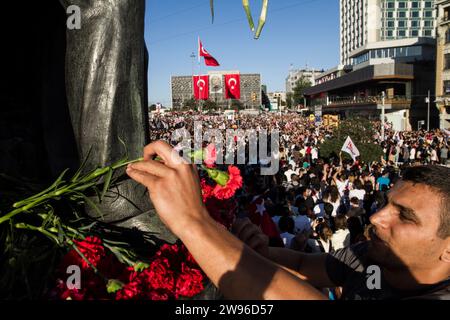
113 269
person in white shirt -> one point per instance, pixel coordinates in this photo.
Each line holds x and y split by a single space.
412 154
341 238
289 173
357 191
314 154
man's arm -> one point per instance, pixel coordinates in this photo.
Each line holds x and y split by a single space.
309 267
238 271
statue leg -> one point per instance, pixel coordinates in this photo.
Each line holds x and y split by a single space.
106 90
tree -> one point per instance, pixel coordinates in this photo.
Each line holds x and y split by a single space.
289 100
361 132
190 104
152 107
265 100
299 89
237 104
210 105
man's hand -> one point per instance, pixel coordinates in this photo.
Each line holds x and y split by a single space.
252 236
173 186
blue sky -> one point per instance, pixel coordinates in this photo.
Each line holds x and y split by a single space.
297 31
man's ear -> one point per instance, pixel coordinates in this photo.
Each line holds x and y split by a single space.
445 257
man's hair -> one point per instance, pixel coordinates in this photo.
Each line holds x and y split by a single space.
438 178
340 222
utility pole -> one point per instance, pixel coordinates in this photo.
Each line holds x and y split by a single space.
428 111
383 97
193 56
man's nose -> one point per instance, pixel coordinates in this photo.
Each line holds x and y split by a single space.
382 218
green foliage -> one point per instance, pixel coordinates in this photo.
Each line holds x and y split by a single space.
236 104
210 105
289 100
361 132
299 89
190 104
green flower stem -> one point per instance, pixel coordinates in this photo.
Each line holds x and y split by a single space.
249 14
38 229
87 261
114 167
262 19
121 256
80 185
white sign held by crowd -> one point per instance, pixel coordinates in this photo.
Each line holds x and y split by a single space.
350 148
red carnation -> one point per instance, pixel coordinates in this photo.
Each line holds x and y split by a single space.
159 295
159 275
92 250
129 291
234 182
189 282
207 190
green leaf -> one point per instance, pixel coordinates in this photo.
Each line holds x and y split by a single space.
32 198
80 169
140 266
106 183
91 204
124 146
114 285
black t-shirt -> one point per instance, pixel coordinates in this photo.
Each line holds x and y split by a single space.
348 268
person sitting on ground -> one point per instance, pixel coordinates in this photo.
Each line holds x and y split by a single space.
410 240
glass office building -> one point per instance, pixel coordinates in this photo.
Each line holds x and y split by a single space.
367 21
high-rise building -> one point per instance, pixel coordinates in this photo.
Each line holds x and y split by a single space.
443 63
366 21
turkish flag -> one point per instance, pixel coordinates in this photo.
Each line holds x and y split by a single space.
201 87
232 86
209 59
259 216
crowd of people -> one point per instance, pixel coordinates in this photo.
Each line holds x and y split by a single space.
316 204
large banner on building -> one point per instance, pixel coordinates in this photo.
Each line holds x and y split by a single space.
232 86
201 87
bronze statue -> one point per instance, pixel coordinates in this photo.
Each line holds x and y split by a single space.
106 77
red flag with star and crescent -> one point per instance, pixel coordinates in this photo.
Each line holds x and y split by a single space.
209 59
259 216
201 87
232 86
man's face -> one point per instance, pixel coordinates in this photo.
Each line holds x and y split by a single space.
405 230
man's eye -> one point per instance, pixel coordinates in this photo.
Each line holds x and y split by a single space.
404 217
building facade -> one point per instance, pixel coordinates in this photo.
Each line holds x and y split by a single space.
401 69
443 63
296 74
277 100
365 21
182 90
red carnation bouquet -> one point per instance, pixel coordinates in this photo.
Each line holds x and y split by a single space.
113 268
